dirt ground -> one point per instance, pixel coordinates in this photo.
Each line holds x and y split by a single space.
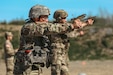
76 67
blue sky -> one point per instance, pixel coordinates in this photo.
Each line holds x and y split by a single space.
13 9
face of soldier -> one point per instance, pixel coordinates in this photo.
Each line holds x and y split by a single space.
10 38
43 18
63 20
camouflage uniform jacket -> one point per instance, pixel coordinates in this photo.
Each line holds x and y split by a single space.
9 57
31 32
59 45
9 50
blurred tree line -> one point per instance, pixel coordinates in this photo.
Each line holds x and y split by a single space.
13 22
97 43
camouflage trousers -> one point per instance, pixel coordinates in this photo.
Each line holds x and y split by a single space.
59 59
9 65
59 70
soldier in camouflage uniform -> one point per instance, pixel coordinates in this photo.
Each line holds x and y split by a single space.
31 56
9 53
28 59
60 44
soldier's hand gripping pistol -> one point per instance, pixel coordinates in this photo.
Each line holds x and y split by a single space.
87 22
81 17
79 22
90 20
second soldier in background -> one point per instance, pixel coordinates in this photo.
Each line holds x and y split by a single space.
9 53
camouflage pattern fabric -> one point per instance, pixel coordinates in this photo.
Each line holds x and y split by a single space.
59 47
38 10
73 34
58 60
32 35
9 57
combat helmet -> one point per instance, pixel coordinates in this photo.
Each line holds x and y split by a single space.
38 10
58 14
